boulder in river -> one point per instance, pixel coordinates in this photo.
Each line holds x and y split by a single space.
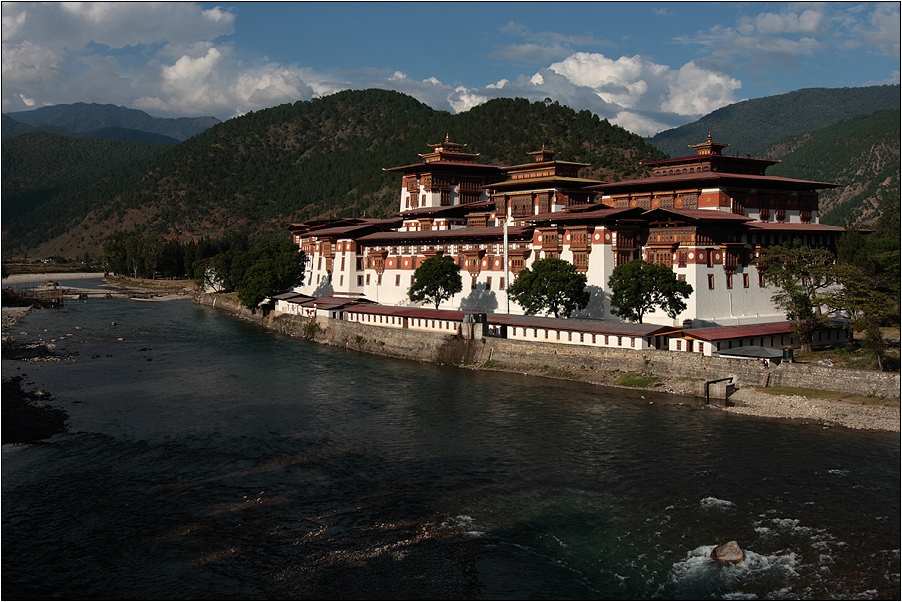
728 553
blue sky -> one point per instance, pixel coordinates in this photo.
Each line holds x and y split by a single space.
647 66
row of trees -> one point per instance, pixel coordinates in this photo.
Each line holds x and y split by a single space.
255 270
860 282
554 286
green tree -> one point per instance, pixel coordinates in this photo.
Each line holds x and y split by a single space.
275 267
805 278
552 285
869 272
638 287
436 280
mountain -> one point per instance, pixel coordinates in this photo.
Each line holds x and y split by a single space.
862 155
48 178
311 159
82 117
753 124
12 128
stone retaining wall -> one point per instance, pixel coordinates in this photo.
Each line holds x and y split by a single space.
525 356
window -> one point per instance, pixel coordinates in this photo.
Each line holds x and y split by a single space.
359 280
711 281
632 342
761 282
488 283
679 345
620 341
710 259
745 281
501 284
397 279
367 279
729 280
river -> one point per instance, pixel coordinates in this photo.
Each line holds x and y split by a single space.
207 458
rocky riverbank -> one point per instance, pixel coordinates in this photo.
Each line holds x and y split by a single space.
756 402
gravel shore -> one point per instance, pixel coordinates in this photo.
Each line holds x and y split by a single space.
755 402
18 278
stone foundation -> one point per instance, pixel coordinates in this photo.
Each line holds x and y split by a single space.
523 356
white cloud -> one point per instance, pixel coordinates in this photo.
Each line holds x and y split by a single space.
769 40
463 99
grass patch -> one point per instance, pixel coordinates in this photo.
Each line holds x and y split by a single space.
558 372
828 395
161 285
851 356
491 364
631 379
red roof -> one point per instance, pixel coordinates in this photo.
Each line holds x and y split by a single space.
795 227
708 178
699 214
424 166
455 233
604 212
591 326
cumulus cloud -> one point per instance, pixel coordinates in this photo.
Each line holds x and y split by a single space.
67 52
176 59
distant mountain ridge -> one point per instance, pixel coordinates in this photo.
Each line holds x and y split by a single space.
12 128
308 160
325 158
862 155
82 117
752 124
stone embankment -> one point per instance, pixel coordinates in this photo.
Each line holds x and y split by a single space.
679 373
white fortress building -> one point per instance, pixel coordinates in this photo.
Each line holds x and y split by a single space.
706 216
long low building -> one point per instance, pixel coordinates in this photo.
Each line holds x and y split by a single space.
590 333
707 216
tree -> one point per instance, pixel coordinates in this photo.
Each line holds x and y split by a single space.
552 285
436 280
638 287
805 278
869 272
273 267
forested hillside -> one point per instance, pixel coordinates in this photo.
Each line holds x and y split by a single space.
314 159
861 155
48 180
752 124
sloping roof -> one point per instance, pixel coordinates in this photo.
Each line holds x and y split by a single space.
447 210
590 326
794 227
454 234
723 333
292 297
711 178
334 302
750 351
424 166
599 213
697 214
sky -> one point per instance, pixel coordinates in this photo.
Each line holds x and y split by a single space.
646 66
